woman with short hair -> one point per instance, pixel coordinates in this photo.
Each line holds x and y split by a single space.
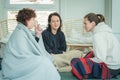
25 58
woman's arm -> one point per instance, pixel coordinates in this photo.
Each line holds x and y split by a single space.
63 45
46 42
100 47
38 31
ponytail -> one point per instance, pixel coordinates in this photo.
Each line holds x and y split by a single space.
100 17
97 18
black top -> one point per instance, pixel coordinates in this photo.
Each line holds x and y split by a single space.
36 38
54 43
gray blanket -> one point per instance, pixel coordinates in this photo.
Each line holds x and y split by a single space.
25 59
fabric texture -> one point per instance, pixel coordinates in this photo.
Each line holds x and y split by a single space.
26 59
106 46
54 43
85 68
62 61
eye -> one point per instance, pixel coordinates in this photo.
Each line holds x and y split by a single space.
58 20
52 21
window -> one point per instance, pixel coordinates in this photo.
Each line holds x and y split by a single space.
31 1
41 18
73 29
43 9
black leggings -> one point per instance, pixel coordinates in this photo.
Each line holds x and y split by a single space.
114 72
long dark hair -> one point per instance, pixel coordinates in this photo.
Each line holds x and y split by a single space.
97 18
49 20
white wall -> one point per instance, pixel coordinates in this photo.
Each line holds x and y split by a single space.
77 9
2 10
70 9
108 12
116 16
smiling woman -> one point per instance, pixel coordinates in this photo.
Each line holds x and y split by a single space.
53 37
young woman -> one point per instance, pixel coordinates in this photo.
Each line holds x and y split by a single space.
55 43
106 49
25 58
53 37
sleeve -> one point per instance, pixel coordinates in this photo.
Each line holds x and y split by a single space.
100 47
46 43
63 45
40 42
36 38
33 33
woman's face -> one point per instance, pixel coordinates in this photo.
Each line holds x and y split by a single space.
55 22
88 25
31 23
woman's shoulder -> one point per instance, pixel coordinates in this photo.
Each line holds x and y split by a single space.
61 33
18 30
46 32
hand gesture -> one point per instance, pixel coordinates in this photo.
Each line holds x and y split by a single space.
38 30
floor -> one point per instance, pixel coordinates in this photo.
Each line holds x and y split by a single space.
69 76
0 76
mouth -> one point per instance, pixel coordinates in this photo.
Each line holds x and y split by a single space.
55 26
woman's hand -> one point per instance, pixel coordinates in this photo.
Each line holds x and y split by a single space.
38 30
